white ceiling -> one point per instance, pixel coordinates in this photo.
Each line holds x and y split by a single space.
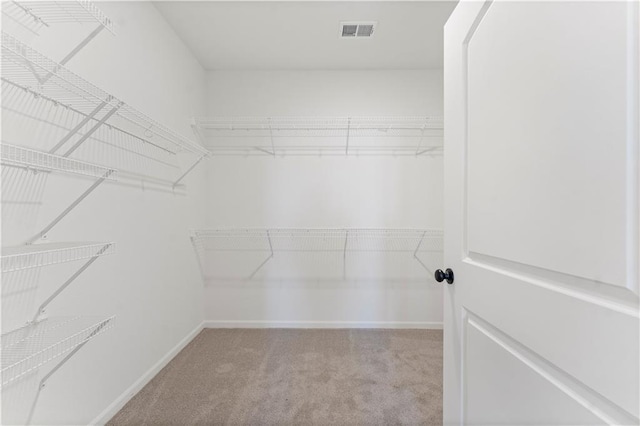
304 34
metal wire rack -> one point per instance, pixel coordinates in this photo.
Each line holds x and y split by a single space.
37 14
39 76
331 253
18 156
402 136
38 255
28 348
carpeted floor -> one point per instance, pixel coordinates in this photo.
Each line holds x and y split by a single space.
296 377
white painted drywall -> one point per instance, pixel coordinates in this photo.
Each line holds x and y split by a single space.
307 192
152 284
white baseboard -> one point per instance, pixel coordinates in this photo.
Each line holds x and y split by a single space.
120 402
324 324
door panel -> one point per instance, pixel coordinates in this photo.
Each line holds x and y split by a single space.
546 176
495 385
541 226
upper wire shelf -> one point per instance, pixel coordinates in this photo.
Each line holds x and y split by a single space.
40 76
401 136
38 255
28 348
37 14
41 161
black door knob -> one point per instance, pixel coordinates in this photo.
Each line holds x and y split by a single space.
446 275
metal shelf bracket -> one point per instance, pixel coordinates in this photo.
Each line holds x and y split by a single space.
66 211
43 381
42 307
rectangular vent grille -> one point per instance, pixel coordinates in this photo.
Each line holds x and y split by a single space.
357 29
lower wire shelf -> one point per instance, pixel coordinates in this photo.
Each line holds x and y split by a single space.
19 156
28 348
37 255
318 255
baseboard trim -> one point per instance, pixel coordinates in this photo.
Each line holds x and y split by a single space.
324 324
120 402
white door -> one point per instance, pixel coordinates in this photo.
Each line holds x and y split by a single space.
542 223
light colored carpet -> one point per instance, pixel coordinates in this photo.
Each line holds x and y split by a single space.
296 377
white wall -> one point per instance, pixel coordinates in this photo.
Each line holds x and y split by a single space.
307 192
152 284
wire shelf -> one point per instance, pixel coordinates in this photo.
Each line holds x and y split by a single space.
14 155
36 14
274 136
38 255
28 348
313 254
318 240
38 75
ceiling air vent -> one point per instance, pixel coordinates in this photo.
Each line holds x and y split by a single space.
357 29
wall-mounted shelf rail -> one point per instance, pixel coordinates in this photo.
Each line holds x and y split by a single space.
39 255
29 348
16 156
35 15
26 349
39 76
313 136
316 254
47 13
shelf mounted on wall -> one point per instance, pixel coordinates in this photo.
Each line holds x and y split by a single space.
27 349
37 161
321 136
317 254
38 255
34 15
26 69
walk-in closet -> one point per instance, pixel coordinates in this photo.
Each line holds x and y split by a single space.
250 212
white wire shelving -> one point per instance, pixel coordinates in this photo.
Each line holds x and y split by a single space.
30 347
27 349
29 256
314 254
314 136
13 155
38 255
39 76
38 14
17 156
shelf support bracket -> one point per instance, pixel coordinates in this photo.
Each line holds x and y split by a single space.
415 254
43 381
266 260
66 211
193 166
346 150
93 129
426 150
344 256
273 147
420 141
55 294
80 125
72 53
